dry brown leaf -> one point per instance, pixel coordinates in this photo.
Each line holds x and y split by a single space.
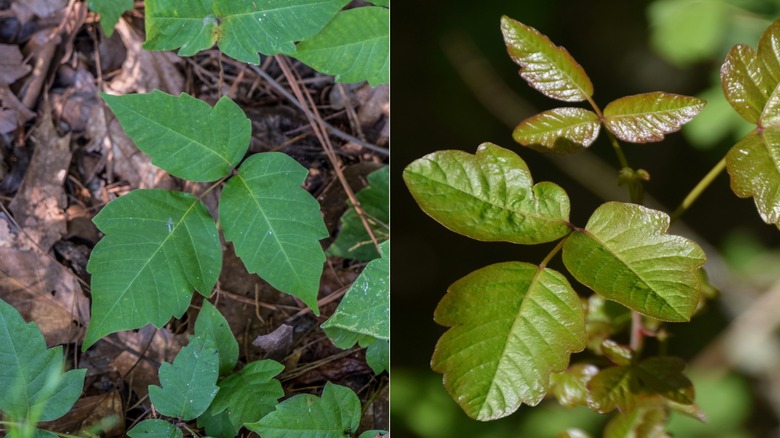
44 292
26 9
12 111
374 103
105 410
140 373
277 343
11 66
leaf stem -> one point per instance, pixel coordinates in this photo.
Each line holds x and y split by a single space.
615 145
637 332
699 189
554 251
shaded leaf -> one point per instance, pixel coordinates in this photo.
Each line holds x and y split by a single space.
354 46
155 429
378 356
184 135
275 224
217 425
373 434
335 415
644 118
189 384
158 247
743 83
188 26
110 11
570 386
604 319
561 130
754 167
617 353
647 420
624 255
210 322
489 196
512 325
34 385
548 68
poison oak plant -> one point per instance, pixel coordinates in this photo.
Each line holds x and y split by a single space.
513 326
160 246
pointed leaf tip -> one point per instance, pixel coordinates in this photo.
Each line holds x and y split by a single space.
644 118
548 68
560 130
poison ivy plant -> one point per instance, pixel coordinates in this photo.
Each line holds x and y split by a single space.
110 11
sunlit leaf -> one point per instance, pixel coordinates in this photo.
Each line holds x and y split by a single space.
511 325
275 224
489 196
754 167
570 386
184 135
155 429
110 11
546 67
769 55
354 46
647 420
189 384
211 323
644 118
743 83
624 255
561 130
158 247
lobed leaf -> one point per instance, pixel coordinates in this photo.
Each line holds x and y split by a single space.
561 130
743 84
353 47
158 247
570 387
155 429
34 386
211 323
275 224
624 255
548 68
334 415
172 24
184 135
769 55
754 167
189 384
644 118
511 325
110 11
489 196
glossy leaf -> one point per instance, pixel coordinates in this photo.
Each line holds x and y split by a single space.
240 28
644 118
647 420
561 130
275 224
184 135
110 11
511 325
624 255
624 387
335 415
489 196
353 242
769 55
189 384
754 167
158 247
570 387
155 429
354 46
743 84
211 323
548 68
34 386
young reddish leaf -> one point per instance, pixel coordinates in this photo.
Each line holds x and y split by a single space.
645 420
512 325
570 386
644 118
561 130
743 83
616 353
754 167
604 318
548 68
624 255
489 196
769 55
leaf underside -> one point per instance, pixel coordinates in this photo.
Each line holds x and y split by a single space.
560 130
624 255
512 325
489 196
644 118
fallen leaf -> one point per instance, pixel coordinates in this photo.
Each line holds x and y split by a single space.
105 410
277 343
11 66
26 9
12 111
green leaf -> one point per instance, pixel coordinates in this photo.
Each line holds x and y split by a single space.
155 429
184 135
561 130
158 247
242 28
353 242
754 167
275 224
548 68
250 394
354 46
489 196
743 83
365 308
647 420
385 3
217 425
373 434
189 384
624 255
570 386
624 387
512 325
110 11
769 55
644 118
686 31
378 356
211 323
33 384
335 415
604 319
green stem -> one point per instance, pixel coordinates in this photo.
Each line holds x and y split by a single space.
554 251
700 187
615 145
